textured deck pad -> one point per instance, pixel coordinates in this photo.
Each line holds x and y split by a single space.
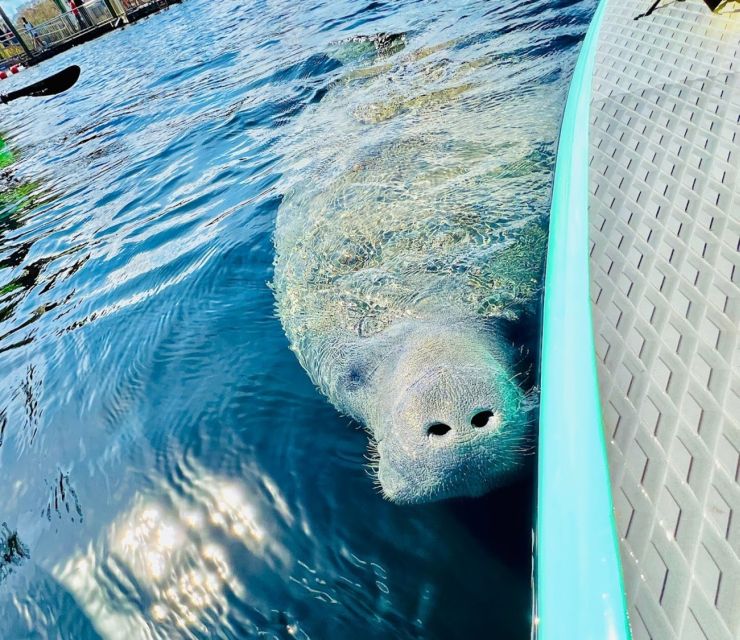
665 211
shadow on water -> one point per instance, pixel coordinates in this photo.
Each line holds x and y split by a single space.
502 522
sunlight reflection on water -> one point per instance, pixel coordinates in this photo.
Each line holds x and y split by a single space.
169 557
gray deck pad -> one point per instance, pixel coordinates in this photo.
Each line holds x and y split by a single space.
664 214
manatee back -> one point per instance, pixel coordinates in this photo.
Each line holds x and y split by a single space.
431 211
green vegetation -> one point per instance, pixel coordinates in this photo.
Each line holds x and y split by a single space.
14 196
38 12
6 155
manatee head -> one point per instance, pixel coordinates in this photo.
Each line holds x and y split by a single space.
452 419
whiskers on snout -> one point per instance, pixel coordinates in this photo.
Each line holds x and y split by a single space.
372 466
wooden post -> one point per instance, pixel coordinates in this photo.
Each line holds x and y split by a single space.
14 31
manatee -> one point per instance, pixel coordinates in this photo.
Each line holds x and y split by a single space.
410 244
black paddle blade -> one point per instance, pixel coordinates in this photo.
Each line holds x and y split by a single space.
57 83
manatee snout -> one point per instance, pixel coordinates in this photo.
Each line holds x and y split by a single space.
454 421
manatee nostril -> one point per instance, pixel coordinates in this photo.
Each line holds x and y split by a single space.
438 429
481 419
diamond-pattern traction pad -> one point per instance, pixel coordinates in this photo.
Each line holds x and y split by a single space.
664 240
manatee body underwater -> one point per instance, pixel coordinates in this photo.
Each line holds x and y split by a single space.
409 253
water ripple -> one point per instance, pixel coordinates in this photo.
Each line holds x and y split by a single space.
164 460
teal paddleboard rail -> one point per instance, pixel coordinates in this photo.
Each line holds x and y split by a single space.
579 590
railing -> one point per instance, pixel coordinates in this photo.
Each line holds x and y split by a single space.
74 22
132 5
85 17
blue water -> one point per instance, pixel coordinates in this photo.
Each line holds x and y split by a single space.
166 464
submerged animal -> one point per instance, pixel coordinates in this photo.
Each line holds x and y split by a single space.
409 248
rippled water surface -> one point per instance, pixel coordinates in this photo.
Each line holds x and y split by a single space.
166 465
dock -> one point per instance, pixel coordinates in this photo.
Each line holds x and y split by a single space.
86 22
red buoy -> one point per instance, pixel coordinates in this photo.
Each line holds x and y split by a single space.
3 75
14 69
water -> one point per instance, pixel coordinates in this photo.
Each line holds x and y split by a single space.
168 467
